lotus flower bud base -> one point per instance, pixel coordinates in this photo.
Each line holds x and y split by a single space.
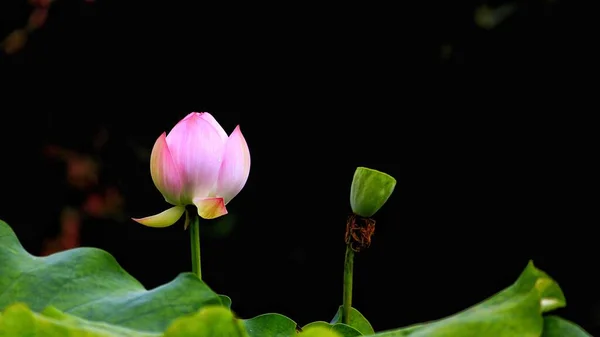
359 231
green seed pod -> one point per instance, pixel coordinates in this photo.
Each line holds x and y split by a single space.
370 190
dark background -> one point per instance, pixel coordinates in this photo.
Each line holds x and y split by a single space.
472 120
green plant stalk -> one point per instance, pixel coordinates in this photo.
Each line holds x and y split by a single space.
348 271
194 223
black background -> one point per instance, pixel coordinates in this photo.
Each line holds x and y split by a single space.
492 166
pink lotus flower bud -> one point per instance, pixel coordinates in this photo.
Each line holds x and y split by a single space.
196 163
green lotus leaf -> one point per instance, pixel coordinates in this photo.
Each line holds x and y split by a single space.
210 321
514 311
357 321
342 329
555 326
89 283
270 325
319 331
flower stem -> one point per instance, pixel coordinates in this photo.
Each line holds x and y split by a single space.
194 224
348 271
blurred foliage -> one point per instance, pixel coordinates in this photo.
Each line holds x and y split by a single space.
16 40
100 199
487 15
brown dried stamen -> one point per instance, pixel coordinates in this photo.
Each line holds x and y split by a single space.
358 232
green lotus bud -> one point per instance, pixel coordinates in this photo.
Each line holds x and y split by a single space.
370 190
